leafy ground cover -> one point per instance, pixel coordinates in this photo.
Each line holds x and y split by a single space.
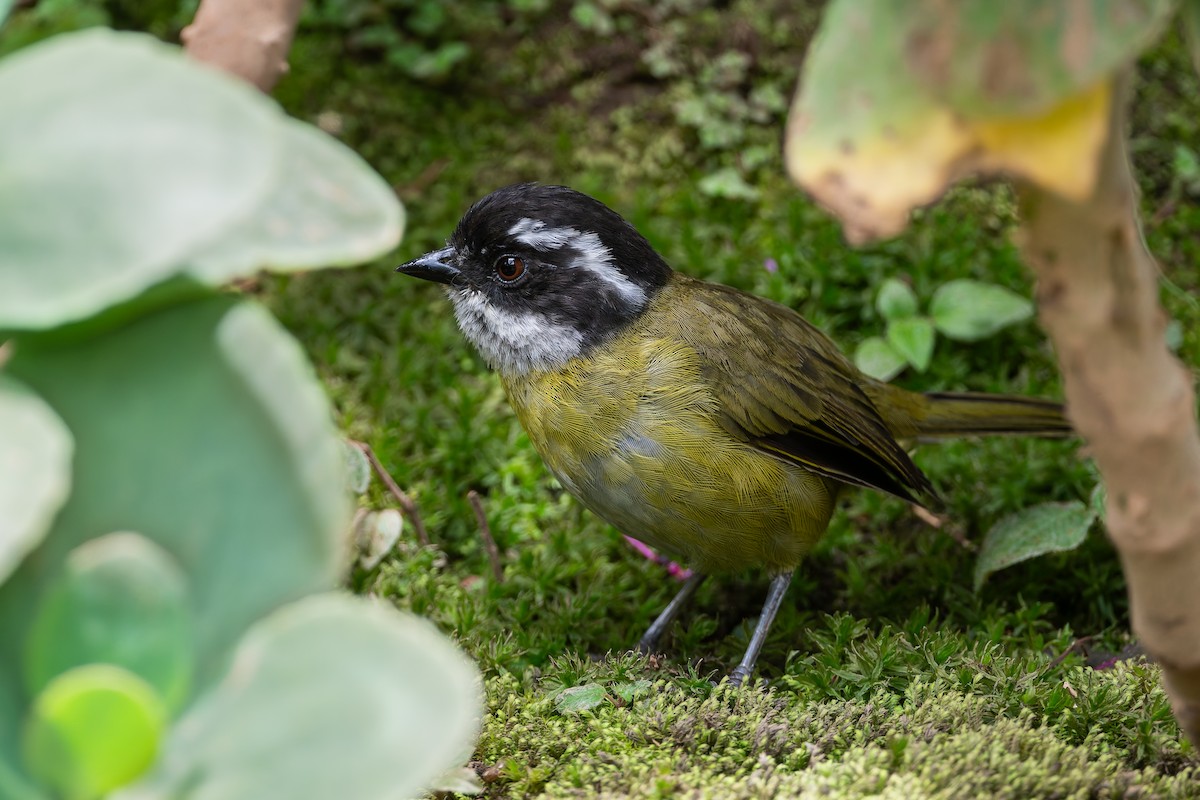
886 673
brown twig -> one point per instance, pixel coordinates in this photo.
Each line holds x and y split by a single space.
407 504
1079 644
939 524
485 530
246 38
1134 403
928 517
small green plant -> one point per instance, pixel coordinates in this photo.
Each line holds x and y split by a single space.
173 505
964 310
1037 531
420 38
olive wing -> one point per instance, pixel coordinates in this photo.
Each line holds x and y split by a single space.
785 388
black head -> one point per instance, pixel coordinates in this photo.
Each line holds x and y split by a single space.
539 274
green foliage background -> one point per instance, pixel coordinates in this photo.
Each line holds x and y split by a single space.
889 673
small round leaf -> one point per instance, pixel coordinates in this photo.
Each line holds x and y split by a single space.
896 300
358 468
378 532
968 310
122 600
93 729
579 698
877 358
913 339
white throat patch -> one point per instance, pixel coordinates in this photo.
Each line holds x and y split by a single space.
593 255
510 342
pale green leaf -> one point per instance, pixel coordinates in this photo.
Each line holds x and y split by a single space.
14 784
877 358
332 696
327 208
727 182
35 470
130 158
968 310
1036 531
632 690
377 533
358 468
896 300
579 698
5 8
275 370
913 339
208 434
92 730
121 600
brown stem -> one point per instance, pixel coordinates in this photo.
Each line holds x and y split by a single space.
407 504
246 38
1130 399
485 530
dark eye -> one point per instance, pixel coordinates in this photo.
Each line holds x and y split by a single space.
509 268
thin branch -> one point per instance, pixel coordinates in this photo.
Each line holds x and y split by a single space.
1129 398
407 504
1079 644
246 38
485 531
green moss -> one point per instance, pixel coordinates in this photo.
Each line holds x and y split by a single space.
928 741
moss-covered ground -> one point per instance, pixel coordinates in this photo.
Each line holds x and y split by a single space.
886 674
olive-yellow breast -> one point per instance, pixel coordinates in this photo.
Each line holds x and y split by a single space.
635 433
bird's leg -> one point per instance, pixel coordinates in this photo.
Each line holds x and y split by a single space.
779 585
657 628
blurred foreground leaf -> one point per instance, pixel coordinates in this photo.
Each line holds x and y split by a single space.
968 310
121 600
35 470
333 696
231 465
898 99
157 168
93 729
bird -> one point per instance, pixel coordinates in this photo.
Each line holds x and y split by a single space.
712 424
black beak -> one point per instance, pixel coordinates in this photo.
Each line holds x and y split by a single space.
434 267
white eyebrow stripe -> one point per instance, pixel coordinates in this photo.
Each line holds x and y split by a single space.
593 255
533 233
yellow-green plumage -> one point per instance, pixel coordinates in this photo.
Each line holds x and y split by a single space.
665 436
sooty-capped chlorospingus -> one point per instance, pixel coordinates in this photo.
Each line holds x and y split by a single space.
712 424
